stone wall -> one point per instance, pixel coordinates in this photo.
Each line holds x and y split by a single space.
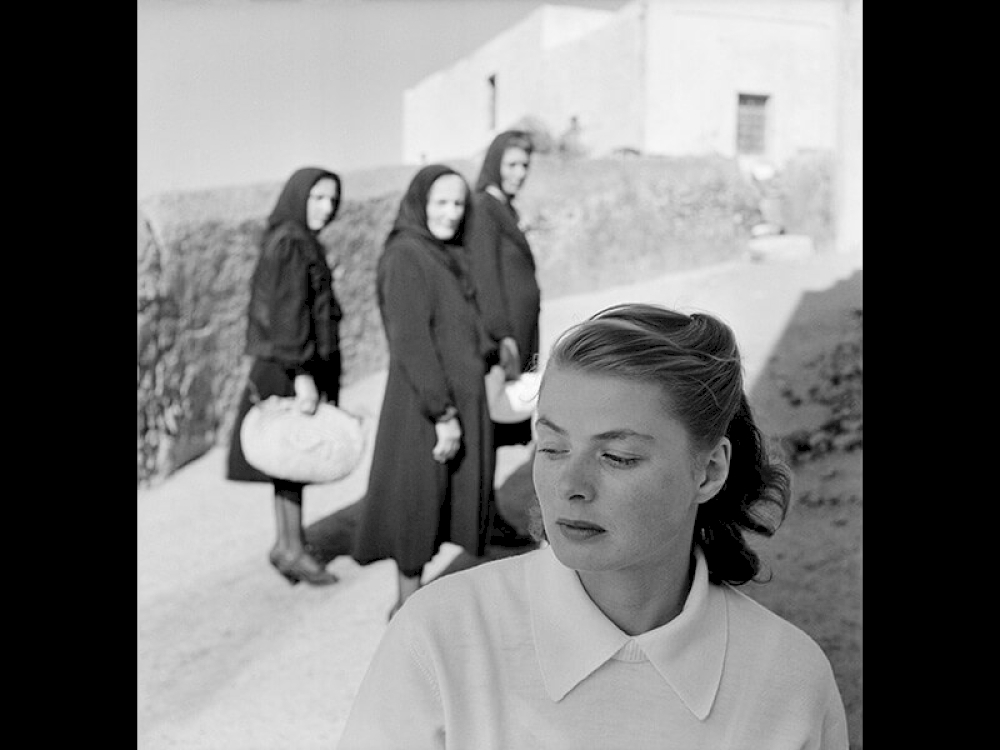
595 223
193 290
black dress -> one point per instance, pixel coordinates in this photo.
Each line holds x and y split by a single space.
438 352
503 268
293 315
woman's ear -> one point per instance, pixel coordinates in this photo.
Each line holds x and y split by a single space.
715 471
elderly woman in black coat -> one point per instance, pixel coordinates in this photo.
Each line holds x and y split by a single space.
433 462
293 336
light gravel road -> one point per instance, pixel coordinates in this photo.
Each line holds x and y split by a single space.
230 657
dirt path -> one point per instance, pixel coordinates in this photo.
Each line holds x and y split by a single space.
232 658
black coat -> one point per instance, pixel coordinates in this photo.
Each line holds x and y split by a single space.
503 269
293 315
438 350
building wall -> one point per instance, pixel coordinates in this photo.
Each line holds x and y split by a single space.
702 53
447 115
596 79
661 76
850 162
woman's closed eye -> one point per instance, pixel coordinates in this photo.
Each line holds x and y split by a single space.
614 459
620 461
549 450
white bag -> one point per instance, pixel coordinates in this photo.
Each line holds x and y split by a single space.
285 443
511 401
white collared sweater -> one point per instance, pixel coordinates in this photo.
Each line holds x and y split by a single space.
513 654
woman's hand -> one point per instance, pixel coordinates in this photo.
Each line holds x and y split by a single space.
510 358
306 394
449 440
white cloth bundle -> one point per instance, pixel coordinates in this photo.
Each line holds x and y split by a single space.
512 401
287 444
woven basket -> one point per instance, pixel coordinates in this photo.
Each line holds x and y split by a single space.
284 443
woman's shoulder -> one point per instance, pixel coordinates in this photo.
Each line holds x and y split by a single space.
785 667
484 198
290 230
486 207
483 586
768 631
287 240
403 249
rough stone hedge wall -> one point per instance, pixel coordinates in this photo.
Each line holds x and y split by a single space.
602 222
193 290
594 223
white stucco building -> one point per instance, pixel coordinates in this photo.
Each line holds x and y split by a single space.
675 77
756 79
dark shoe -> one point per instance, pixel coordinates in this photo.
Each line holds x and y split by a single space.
301 567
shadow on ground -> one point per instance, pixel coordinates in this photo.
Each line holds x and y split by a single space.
808 398
332 535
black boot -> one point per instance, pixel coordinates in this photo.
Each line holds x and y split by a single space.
301 567
290 556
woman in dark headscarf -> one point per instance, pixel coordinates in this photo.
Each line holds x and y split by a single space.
292 334
502 265
432 467
503 269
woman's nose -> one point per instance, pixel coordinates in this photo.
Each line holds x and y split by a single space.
576 480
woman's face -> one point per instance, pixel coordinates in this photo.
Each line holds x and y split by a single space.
445 206
321 203
614 473
514 165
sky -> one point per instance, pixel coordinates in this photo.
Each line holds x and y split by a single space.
237 92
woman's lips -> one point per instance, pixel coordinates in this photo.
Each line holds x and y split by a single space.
579 531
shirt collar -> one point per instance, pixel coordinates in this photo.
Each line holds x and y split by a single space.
573 637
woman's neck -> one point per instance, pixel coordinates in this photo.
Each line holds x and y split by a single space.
497 193
639 601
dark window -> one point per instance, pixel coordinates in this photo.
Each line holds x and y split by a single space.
751 124
492 81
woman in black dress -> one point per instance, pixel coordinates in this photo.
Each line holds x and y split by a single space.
292 334
502 265
432 467
503 269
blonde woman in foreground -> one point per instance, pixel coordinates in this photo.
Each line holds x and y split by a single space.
626 629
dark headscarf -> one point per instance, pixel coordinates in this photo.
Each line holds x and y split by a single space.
291 203
412 220
503 211
412 215
489 174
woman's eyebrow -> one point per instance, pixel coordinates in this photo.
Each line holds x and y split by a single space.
624 434
552 426
620 434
